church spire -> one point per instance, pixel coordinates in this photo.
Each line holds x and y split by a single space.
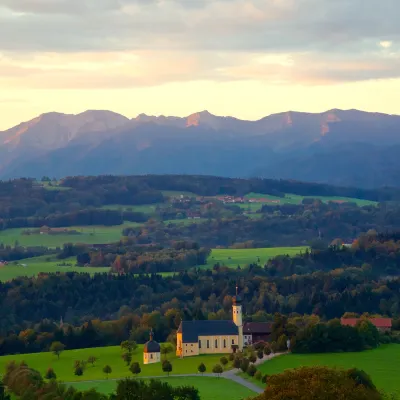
151 334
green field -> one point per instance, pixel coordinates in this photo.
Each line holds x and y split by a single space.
106 356
381 364
144 208
209 388
88 234
242 257
46 264
296 199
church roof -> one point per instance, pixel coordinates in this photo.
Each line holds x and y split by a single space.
257 327
151 347
191 330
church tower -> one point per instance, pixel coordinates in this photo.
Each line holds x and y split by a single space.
237 316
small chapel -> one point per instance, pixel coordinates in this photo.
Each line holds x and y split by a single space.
212 337
151 351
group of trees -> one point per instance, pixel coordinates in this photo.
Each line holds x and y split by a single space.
27 383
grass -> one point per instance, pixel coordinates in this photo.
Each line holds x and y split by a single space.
46 264
242 257
177 193
88 234
106 356
144 208
381 364
209 388
296 199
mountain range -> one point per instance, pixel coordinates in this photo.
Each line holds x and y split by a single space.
344 147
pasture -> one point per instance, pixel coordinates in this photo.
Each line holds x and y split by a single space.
87 234
296 199
234 257
209 388
64 367
382 364
45 264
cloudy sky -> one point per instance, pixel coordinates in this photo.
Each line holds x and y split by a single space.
246 58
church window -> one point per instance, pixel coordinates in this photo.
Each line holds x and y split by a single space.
199 344
233 341
151 356
208 344
216 343
224 343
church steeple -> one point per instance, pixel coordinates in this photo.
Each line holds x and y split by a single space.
237 315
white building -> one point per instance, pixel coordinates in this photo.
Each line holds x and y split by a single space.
151 351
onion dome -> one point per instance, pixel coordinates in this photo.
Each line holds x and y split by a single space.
151 346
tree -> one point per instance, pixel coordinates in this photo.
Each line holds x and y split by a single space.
224 361
129 345
260 354
202 368
236 362
135 368
217 369
78 371
267 350
57 348
252 358
166 349
107 370
127 357
282 343
50 374
166 367
244 364
92 360
251 370
3 394
318 383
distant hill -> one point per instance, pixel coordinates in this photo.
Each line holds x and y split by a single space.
346 147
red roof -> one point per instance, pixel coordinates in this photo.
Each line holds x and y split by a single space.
378 322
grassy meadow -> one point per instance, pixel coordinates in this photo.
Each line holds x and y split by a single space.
234 257
209 388
46 264
64 367
382 364
87 234
296 199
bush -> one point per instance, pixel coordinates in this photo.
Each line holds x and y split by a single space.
202 368
258 375
224 361
50 374
260 354
78 371
264 379
267 350
251 370
231 357
237 362
217 369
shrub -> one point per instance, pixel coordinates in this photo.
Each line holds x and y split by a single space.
258 375
50 374
251 370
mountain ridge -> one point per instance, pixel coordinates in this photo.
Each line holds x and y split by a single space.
290 144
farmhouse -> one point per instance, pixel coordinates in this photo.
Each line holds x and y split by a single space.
254 332
211 337
382 324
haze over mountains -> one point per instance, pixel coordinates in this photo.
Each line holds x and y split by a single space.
340 147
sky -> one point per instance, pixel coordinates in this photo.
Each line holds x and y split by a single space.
245 58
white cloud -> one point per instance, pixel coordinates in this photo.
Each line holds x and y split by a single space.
386 44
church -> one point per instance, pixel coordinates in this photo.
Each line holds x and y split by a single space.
211 337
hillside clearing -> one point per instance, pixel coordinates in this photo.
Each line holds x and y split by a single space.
106 356
381 364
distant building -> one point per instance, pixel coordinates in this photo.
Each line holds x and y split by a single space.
382 324
211 337
151 351
254 332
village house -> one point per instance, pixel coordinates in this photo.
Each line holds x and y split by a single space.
254 332
382 324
